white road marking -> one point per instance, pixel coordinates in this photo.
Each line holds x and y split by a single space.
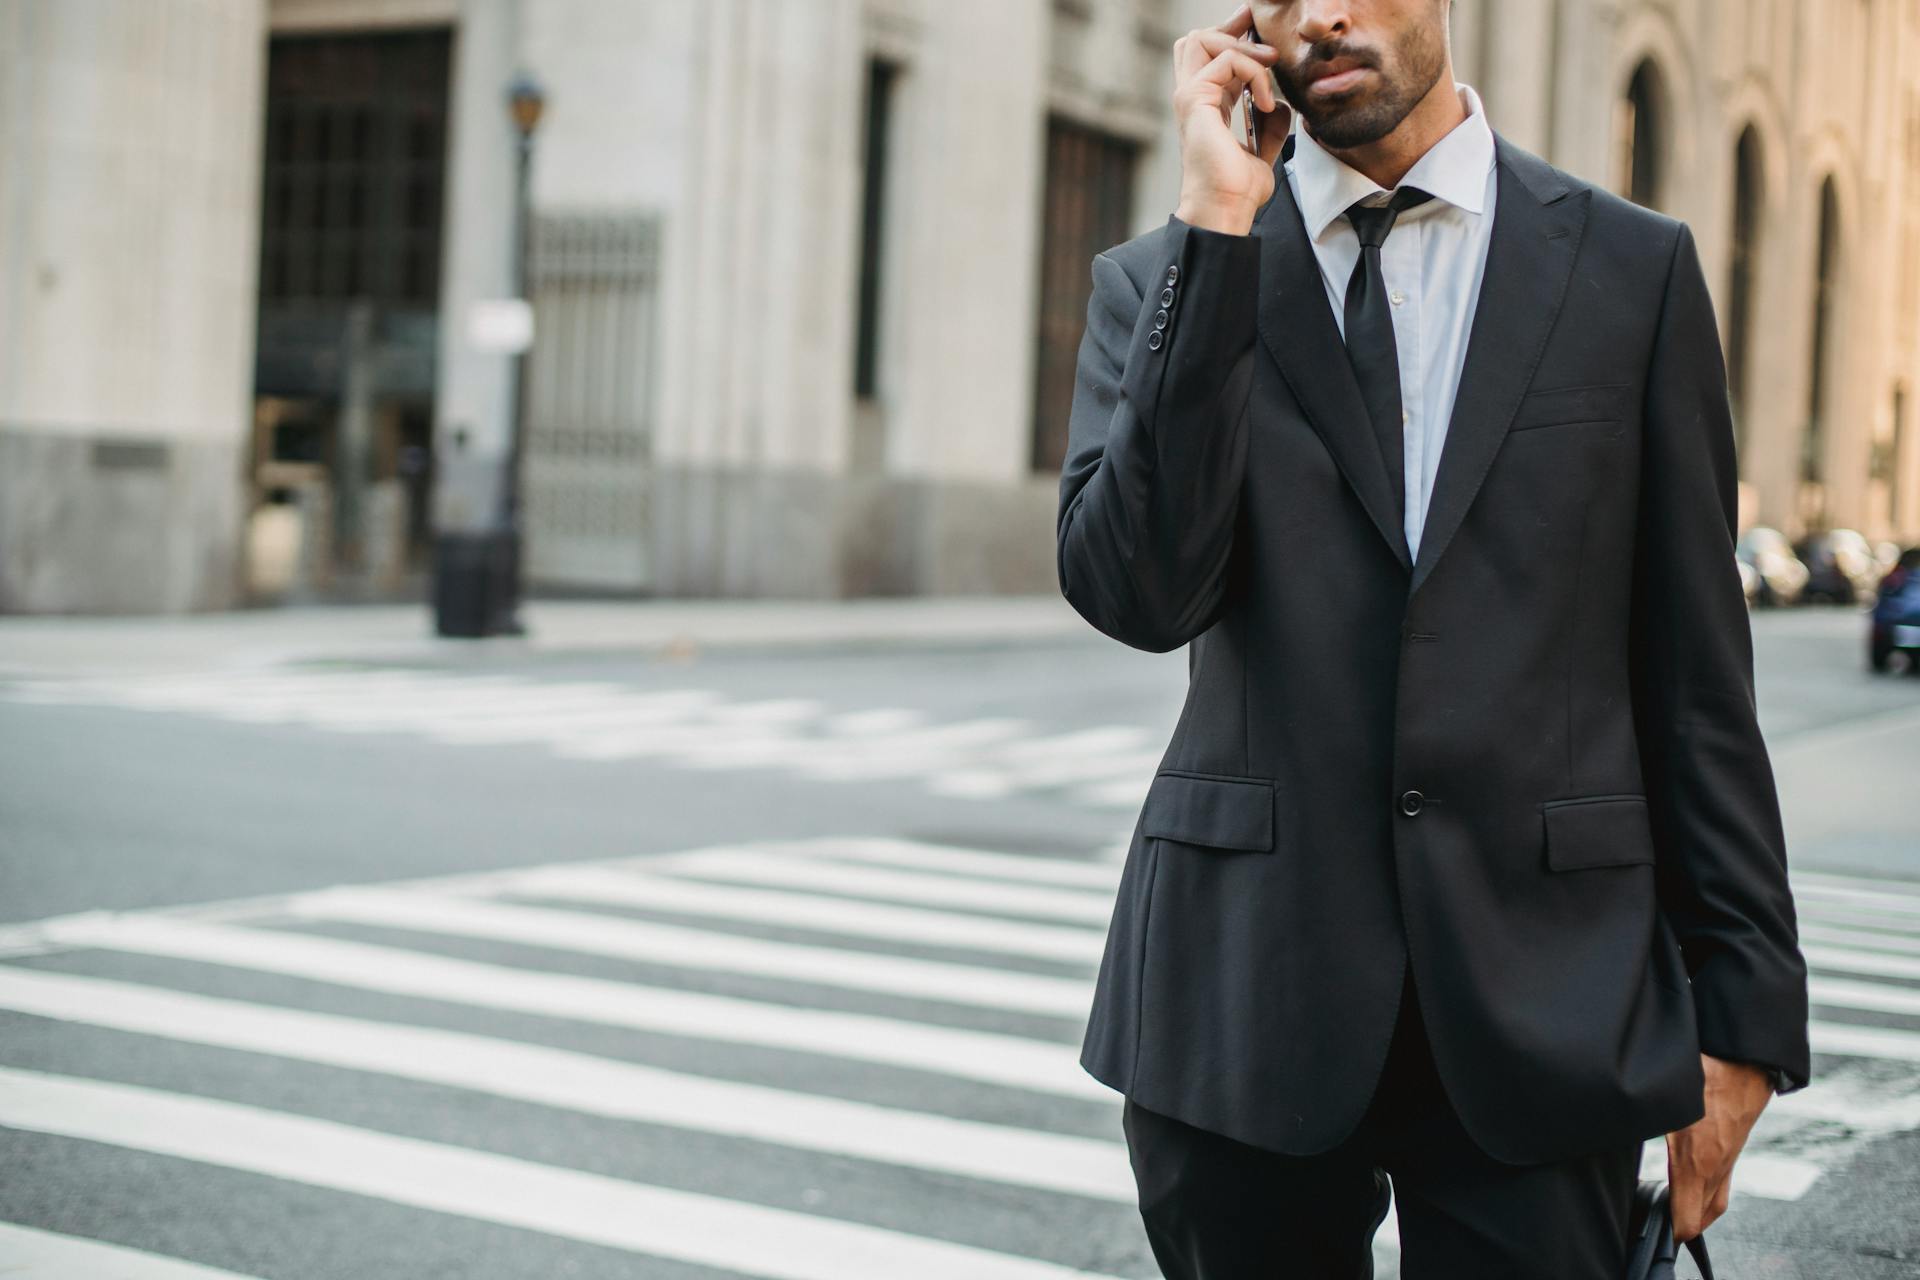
586 1084
30 1254
599 721
1904 906
1853 917
1865 884
1855 960
1862 939
594 933
935 887
913 925
1876 997
979 863
657 1221
1848 1040
991 1058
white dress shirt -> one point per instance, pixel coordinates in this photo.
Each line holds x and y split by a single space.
1433 260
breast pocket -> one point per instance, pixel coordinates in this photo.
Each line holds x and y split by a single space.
1573 406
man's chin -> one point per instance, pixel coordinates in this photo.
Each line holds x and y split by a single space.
1350 125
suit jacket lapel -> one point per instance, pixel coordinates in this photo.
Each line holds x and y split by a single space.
1536 235
1299 329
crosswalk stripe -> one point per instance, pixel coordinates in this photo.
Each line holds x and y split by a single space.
1893 904
629 939
1862 939
30 1254
705 1230
904 754
1905 889
1847 1040
1854 917
586 1083
1857 960
777 871
989 1057
917 925
402 708
1878 997
605 715
940 857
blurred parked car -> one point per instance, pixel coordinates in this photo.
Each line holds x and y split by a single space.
1896 616
1840 567
1766 551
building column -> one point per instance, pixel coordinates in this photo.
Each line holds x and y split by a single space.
130 137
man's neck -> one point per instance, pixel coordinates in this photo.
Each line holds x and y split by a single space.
1386 160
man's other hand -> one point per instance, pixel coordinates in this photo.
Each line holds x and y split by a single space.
1700 1157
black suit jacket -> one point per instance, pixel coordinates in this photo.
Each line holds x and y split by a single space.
1526 764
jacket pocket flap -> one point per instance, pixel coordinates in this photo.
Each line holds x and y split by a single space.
1227 813
1596 402
1597 831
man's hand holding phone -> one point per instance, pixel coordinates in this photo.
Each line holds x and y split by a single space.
1222 182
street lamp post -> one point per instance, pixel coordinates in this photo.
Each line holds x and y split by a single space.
476 589
525 102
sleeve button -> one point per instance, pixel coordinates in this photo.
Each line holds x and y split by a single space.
1173 275
1155 339
1166 296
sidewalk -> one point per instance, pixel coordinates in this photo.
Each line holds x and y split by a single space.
264 638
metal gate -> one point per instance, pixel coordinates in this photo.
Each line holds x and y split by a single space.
590 377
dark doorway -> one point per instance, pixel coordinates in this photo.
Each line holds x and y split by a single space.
1089 207
352 209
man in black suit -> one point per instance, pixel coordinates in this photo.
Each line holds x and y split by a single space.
1464 865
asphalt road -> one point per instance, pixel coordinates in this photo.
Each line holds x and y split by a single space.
607 966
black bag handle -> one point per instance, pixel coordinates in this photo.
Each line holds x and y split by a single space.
1698 1248
1654 1255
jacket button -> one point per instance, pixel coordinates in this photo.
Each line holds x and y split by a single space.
1155 338
1173 275
1410 802
1166 296
1160 318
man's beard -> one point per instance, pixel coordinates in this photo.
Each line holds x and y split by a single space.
1342 124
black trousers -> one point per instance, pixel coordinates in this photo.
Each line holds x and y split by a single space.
1218 1209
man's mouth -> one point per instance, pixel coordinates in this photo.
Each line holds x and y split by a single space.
1336 76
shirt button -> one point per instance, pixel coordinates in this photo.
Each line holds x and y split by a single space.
1398 297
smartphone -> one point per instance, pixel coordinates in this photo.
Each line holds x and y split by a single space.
1246 102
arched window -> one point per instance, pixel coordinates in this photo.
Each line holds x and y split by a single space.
1640 141
1749 201
1826 285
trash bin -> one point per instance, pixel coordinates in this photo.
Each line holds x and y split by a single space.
473 589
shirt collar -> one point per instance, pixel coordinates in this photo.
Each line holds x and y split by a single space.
1454 169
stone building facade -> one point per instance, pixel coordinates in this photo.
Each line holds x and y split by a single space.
808 278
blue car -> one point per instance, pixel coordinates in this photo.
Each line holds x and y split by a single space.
1896 616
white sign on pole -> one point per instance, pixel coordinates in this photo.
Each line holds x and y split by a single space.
500 326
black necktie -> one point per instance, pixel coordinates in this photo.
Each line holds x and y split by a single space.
1369 320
